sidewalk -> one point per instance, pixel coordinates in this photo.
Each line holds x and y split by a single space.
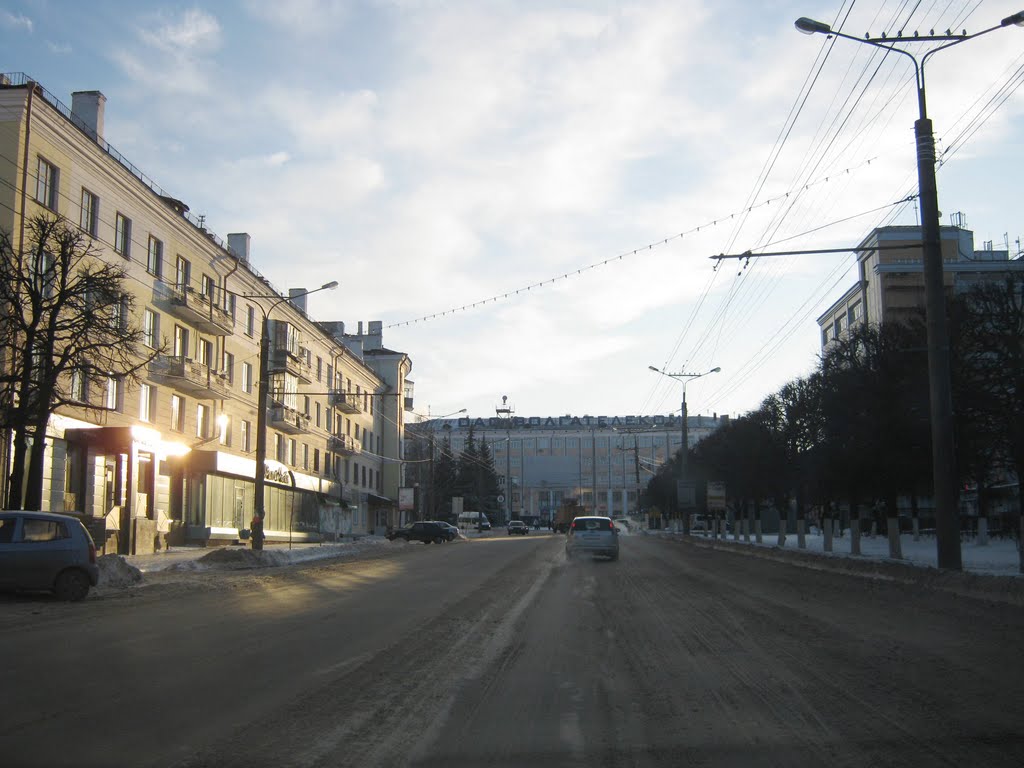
997 558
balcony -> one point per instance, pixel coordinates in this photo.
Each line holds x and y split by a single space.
287 419
186 375
343 444
345 402
197 309
283 360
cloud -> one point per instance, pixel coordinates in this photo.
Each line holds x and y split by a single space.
172 53
58 49
15 21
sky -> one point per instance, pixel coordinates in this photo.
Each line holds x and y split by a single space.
528 194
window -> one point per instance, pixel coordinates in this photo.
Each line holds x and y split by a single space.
123 235
225 429
319 368
202 420
150 328
305 406
119 314
228 367
230 303
245 434
207 287
147 402
114 400
291 451
250 321
47 181
305 456
853 313
181 348
34 529
79 386
279 448
90 217
316 460
247 377
155 257
43 273
205 352
182 273
177 413
317 414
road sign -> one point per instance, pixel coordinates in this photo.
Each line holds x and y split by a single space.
716 496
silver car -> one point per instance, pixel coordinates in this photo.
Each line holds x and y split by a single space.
592 535
45 551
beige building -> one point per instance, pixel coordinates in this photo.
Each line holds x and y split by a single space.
173 458
890 285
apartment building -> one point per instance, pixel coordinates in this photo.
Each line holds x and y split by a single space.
604 461
174 457
890 284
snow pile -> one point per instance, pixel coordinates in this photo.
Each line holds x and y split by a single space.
273 556
115 571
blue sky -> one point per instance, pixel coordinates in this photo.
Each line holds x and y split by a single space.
429 155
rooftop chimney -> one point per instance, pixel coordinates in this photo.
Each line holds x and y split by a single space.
238 244
375 335
297 296
87 106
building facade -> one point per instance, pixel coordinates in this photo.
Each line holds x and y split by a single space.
890 284
604 462
173 457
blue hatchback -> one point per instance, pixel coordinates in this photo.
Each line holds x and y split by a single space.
45 551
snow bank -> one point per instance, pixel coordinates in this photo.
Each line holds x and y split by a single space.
115 571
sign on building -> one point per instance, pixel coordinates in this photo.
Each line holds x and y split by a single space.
407 499
716 496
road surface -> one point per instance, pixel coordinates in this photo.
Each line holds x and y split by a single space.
500 652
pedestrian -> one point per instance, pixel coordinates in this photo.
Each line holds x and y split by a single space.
256 532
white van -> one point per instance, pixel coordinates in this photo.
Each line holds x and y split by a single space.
472 521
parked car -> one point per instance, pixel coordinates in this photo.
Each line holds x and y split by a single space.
592 535
453 532
427 531
518 526
45 551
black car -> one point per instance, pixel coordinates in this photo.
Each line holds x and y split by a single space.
517 526
426 531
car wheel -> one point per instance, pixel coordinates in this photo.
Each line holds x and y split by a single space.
71 586
439 540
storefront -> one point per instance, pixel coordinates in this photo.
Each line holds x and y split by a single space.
218 495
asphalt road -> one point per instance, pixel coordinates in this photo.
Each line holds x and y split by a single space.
499 652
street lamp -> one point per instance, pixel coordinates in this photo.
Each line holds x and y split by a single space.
947 528
263 395
684 378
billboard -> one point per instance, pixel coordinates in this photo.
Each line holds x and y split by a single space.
407 499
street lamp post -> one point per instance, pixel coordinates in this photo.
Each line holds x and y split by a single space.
944 479
506 410
432 507
684 378
263 395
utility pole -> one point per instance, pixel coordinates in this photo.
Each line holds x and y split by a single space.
506 410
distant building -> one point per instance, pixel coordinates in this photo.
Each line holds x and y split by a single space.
604 461
890 285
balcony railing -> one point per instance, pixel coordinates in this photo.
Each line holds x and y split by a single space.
345 402
344 444
189 376
287 419
283 360
198 309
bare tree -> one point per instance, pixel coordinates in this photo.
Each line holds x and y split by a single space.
66 329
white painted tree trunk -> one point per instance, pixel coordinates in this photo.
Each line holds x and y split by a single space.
782 532
826 527
983 531
722 523
801 535
746 529
892 526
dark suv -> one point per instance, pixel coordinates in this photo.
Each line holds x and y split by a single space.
426 531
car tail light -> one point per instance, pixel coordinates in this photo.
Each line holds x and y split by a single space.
92 553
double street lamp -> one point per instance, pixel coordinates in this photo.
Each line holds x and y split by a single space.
684 378
262 398
944 476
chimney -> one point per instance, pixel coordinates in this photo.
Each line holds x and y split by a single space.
375 335
297 296
87 107
238 244
360 327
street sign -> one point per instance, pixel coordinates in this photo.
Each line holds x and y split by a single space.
686 493
501 498
716 496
